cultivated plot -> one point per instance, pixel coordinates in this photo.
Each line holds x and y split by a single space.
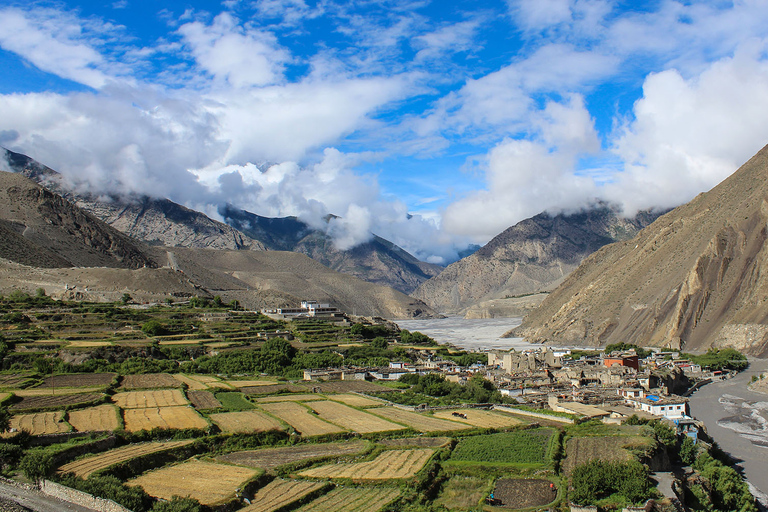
150 398
356 400
300 418
352 419
391 464
290 397
270 458
480 418
203 400
57 401
150 380
245 422
206 482
350 499
580 450
83 468
279 493
78 380
99 418
162 417
40 423
239 384
420 422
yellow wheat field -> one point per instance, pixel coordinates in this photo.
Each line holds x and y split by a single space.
480 418
150 398
245 422
162 417
89 344
279 493
4 396
40 423
206 482
299 417
250 383
191 382
352 499
350 418
356 400
292 397
420 422
387 465
83 468
101 417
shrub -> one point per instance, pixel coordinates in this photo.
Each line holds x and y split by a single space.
597 480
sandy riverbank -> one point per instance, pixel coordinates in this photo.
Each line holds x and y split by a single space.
737 418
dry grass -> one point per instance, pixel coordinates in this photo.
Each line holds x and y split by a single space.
99 418
245 422
462 492
300 418
88 344
4 396
580 450
480 418
150 398
40 423
391 464
352 419
162 417
356 400
350 499
83 468
270 458
206 482
280 493
292 397
420 422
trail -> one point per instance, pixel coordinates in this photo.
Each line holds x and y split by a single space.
37 501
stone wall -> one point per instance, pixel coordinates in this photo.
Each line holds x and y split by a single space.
80 498
541 415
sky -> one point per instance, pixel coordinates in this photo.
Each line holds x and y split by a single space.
433 124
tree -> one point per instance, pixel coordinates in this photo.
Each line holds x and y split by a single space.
153 328
177 504
36 465
5 420
688 451
126 298
380 343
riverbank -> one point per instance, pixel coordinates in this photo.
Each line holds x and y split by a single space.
737 418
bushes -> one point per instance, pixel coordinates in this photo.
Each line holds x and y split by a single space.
727 491
111 488
624 482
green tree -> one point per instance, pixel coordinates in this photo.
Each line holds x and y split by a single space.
36 465
178 504
5 420
126 298
380 343
153 328
687 451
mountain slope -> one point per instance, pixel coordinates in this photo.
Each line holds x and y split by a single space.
696 277
532 256
378 261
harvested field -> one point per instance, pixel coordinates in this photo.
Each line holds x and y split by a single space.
14 380
240 384
94 419
352 419
56 391
270 458
88 344
206 482
417 442
290 397
350 499
150 398
245 422
279 493
463 492
387 465
149 381
162 417
203 400
4 396
480 418
55 402
183 342
518 493
420 422
356 400
40 423
300 418
78 380
349 386
86 466
191 382
580 450
277 388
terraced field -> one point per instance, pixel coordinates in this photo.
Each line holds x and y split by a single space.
356 400
580 450
390 464
270 458
290 397
300 418
352 419
279 493
245 422
480 418
420 422
29 403
149 381
94 419
39 423
79 380
86 466
150 398
203 400
350 499
162 417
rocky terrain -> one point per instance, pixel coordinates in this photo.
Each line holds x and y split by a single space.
695 278
530 257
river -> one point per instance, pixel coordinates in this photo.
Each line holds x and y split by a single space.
475 335
737 419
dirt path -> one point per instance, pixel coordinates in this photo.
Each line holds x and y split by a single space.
37 501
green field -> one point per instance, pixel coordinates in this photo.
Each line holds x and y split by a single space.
234 401
519 447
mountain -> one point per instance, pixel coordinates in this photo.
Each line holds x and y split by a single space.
377 261
695 278
533 256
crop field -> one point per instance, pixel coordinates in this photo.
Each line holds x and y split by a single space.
56 391
151 398
420 422
580 450
149 381
290 397
279 493
520 447
99 418
416 442
55 402
14 381
234 401
79 380
4 396
40 423
245 422
300 418
463 492
523 492
275 388
390 464
270 458
191 382
480 418
356 400
349 386
162 417
206 482
349 499
352 419
239 384
86 466
203 400
88 344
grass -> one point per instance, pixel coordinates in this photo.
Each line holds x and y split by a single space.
515 448
234 401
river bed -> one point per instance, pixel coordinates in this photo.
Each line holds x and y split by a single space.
475 335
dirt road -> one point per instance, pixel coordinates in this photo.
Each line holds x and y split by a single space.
37 501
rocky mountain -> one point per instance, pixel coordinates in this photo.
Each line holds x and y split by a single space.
695 278
378 261
507 275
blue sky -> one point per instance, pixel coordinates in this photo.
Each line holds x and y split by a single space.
433 124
